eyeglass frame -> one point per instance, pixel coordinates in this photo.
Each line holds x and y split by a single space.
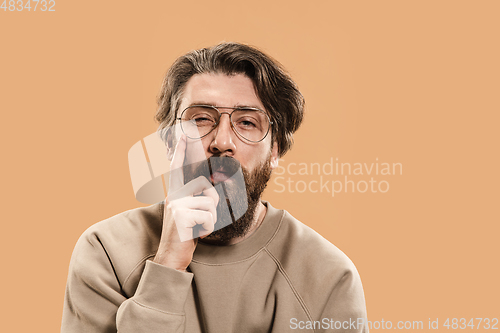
235 108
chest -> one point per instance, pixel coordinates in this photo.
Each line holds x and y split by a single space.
252 296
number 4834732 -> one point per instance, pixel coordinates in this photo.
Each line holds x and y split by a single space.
20 5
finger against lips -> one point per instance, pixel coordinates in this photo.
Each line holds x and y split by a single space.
176 173
199 185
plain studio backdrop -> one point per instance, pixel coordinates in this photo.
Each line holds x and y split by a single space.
411 84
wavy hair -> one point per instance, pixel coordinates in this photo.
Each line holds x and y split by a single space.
277 91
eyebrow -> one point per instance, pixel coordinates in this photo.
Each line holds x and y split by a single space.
235 106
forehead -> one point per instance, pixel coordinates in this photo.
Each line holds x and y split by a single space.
220 90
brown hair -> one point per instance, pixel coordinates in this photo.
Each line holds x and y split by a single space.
278 93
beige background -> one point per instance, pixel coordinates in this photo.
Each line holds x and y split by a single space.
406 82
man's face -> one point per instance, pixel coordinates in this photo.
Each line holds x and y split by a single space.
257 159
231 91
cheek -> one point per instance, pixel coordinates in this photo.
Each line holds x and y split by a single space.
255 158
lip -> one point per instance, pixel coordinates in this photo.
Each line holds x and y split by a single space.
219 176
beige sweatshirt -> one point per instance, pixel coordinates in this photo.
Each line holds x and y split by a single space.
283 278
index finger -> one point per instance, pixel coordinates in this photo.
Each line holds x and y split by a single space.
176 174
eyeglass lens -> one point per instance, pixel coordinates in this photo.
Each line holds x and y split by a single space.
198 121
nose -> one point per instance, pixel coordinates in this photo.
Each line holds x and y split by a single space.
223 140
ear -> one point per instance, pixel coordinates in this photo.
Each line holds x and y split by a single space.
274 156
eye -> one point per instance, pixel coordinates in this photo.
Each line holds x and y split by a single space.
247 119
201 116
247 123
203 119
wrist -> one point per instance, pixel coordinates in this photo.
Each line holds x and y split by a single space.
174 264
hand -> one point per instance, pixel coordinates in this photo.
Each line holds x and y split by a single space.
190 212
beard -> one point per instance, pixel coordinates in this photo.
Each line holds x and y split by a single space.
239 196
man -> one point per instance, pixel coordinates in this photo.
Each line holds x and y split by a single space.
163 268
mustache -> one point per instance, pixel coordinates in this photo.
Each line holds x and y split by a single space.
224 164
227 165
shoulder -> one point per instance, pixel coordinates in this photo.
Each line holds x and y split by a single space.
295 242
128 225
315 268
120 244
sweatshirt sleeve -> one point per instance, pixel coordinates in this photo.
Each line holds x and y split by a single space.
95 302
345 310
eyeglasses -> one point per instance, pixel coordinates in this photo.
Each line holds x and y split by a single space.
252 124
